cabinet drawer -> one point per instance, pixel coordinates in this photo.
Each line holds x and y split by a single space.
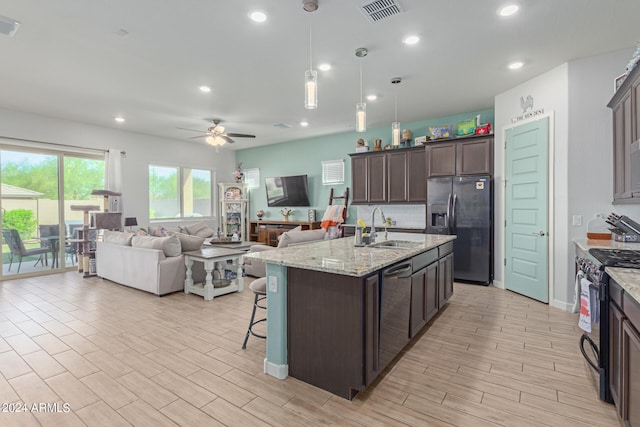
422 260
631 309
445 249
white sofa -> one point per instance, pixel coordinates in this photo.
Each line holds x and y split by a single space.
151 264
257 268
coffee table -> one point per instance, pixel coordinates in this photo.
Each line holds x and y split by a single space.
213 258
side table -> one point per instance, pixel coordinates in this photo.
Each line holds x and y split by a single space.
213 258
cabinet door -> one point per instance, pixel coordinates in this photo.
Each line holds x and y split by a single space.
371 328
441 160
474 157
359 179
615 353
263 235
445 279
431 285
416 176
418 302
377 178
630 394
622 149
397 176
635 128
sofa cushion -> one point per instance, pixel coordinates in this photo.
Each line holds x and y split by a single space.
117 237
200 229
189 242
170 245
293 237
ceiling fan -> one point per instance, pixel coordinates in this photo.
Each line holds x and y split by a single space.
216 136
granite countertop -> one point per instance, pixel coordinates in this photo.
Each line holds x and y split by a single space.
628 278
586 244
339 256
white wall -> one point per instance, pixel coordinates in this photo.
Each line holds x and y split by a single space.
575 94
141 150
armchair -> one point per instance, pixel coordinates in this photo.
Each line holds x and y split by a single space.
17 248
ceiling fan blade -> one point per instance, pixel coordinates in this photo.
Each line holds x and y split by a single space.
192 130
198 136
226 138
240 135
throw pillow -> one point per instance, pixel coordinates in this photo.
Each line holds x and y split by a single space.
189 243
170 245
117 237
199 229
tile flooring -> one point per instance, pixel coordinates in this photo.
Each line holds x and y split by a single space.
100 354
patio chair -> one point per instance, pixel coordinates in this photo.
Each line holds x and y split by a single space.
17 248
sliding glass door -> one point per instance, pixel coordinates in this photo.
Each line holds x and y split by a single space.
37 189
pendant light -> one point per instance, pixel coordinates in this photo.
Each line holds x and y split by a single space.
395 126
310 83
361 107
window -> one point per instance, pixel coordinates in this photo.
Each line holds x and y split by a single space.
179 192
332 172
252 178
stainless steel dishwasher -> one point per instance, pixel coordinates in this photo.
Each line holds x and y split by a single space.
395 309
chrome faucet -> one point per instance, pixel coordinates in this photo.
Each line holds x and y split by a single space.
372 235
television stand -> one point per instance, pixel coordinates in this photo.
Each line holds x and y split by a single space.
267 232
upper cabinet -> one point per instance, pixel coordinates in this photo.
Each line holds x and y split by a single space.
393 176
625 105
462 156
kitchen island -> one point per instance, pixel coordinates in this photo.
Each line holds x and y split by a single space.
333 323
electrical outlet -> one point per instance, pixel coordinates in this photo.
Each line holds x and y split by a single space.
273 284
577 220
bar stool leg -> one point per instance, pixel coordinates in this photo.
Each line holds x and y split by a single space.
253 322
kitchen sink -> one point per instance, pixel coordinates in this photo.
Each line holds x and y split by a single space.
394 244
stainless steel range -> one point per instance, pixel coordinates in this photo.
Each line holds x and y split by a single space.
595 345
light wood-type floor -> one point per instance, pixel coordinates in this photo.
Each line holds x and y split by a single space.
118 356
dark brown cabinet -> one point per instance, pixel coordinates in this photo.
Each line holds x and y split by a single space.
394 176
332 333
625 106
464 156
445 279
624 354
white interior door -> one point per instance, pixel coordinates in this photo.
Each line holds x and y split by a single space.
526 209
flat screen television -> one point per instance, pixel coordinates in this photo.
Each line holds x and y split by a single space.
287 191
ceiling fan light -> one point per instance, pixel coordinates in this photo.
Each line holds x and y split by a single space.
210 140
219 141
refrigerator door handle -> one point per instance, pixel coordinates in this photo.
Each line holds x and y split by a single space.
449 214
454 226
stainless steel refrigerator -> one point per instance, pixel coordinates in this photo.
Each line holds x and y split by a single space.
463 205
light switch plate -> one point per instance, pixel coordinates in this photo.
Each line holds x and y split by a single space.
273 284
577 220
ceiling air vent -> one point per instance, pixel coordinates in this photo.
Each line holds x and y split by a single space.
283 125
381 9
8 26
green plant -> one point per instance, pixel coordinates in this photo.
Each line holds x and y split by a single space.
22 220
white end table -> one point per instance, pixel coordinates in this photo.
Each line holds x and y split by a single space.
213 258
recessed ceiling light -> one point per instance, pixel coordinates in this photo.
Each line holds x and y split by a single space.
324 67
304 124
372 97
205 89
258 16
119 119
411 40
516 65
508 10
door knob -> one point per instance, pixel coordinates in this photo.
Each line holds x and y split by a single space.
540 233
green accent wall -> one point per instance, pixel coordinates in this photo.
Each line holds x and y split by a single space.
304 156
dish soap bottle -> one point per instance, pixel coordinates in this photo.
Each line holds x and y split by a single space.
597 229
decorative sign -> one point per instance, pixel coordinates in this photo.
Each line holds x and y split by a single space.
527 104
480 185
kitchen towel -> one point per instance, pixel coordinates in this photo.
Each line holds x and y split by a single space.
576 294
332 216
584 322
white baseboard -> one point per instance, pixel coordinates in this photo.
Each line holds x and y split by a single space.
279 371
566 306
498 284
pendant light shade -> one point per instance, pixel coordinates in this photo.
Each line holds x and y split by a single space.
310 83
311 89
361 107
395 126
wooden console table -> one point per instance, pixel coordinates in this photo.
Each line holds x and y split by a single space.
267 232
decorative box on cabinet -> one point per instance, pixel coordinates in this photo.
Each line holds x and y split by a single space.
625 106
234 199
